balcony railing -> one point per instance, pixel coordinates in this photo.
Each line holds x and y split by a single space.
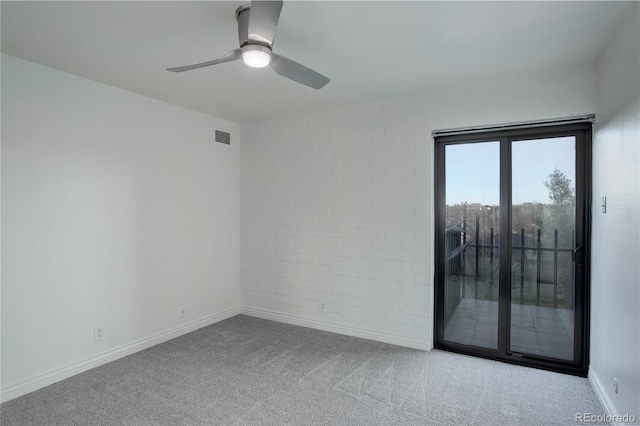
472 266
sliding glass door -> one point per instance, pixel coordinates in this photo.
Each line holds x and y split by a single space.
511 235
542 227
472 219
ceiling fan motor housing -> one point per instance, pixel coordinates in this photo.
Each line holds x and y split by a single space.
242 16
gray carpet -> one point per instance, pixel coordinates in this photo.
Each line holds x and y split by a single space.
249 371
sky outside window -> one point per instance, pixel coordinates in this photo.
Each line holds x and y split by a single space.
473 170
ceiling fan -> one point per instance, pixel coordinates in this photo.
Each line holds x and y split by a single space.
256 30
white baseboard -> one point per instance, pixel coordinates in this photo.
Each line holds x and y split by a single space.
599 388
37 382
408 342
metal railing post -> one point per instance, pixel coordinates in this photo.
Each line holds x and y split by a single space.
477 252
491 267
464 260
555 268
521 266
538 260
573 266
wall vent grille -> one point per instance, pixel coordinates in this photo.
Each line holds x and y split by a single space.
223 137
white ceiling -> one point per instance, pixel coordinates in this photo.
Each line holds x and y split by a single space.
370 50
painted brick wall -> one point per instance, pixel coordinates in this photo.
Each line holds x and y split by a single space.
336 204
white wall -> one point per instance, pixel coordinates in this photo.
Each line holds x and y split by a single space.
117 210
615 298
336 204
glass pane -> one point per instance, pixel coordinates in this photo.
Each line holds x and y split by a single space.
543 223
471 243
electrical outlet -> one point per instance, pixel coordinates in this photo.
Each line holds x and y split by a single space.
98 333
183 312
323 306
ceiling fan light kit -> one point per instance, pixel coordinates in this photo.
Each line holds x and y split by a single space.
257 24
256 56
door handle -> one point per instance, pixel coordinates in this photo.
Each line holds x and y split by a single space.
578 255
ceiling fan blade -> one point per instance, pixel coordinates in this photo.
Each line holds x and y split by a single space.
297 72
234 55
263 20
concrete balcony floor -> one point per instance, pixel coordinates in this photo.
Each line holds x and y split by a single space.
535 330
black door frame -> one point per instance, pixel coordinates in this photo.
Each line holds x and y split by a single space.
582 133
